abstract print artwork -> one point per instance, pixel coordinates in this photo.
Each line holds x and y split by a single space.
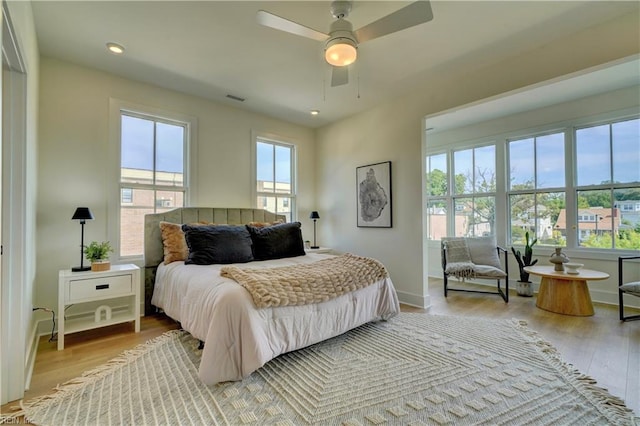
373 186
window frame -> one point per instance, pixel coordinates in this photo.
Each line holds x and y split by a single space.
610 187
451 196
116 108
277 140
535 190
448 143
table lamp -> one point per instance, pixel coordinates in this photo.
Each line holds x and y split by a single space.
82 214
315 216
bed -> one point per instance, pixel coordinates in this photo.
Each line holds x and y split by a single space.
240 337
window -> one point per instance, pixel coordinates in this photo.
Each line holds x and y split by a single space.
469 193
152 173
275 169
126 195
536 191
594 167
437 184
608 185
474 190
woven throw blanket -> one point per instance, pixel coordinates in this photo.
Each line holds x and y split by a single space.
459 259
309 283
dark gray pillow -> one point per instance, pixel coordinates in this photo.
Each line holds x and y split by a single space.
277 241
212 244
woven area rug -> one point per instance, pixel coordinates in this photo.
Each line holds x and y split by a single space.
414 369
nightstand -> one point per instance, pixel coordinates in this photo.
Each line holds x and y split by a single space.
325 250
83 287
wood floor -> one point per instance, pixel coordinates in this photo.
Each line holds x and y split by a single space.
599 346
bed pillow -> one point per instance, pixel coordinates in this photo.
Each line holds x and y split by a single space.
173 242
175 246
217 244
277 241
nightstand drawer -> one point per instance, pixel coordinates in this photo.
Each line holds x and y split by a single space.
96 288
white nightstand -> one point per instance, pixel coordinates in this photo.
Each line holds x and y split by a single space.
325 250
82 287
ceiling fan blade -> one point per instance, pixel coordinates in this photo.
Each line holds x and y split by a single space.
416 13
274 21
339 76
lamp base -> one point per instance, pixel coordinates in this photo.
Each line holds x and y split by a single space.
80 268
315 247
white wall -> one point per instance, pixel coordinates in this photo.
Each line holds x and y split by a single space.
74 146
392 131
556 116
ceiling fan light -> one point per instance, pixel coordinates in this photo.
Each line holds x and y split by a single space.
341 52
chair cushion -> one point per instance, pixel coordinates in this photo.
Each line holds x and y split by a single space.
483 251
631 288
482 271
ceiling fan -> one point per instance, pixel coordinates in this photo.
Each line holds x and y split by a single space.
342 41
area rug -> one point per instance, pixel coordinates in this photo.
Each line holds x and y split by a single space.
413 369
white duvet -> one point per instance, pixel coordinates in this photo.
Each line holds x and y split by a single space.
239 338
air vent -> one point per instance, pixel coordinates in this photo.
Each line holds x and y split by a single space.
235 98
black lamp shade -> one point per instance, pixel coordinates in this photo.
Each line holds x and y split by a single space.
82 213
314 215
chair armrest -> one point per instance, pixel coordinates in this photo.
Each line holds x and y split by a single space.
506 259
621 259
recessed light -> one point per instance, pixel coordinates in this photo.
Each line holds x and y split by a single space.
314 112
115 48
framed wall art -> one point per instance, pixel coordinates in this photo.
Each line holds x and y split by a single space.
373 191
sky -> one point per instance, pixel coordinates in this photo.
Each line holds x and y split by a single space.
597 148
137 145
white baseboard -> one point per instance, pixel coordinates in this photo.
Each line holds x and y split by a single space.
30 359
417 300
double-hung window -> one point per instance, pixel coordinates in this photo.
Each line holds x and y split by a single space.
438 196
474 191
275 176
608 185
152 173
461 197
536 193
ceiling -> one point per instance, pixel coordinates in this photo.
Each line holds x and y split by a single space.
215 48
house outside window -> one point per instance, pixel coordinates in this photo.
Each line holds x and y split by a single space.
275 176
152 173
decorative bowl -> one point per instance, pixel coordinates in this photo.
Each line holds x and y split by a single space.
572 268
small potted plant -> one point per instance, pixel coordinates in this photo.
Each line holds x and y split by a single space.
524 288
98 254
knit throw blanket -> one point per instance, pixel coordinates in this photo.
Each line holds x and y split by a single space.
459 262
308 283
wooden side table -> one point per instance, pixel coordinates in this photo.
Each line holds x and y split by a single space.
82 287
565 293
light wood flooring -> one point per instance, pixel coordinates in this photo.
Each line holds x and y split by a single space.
599 346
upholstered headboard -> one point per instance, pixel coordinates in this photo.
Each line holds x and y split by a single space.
154 251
